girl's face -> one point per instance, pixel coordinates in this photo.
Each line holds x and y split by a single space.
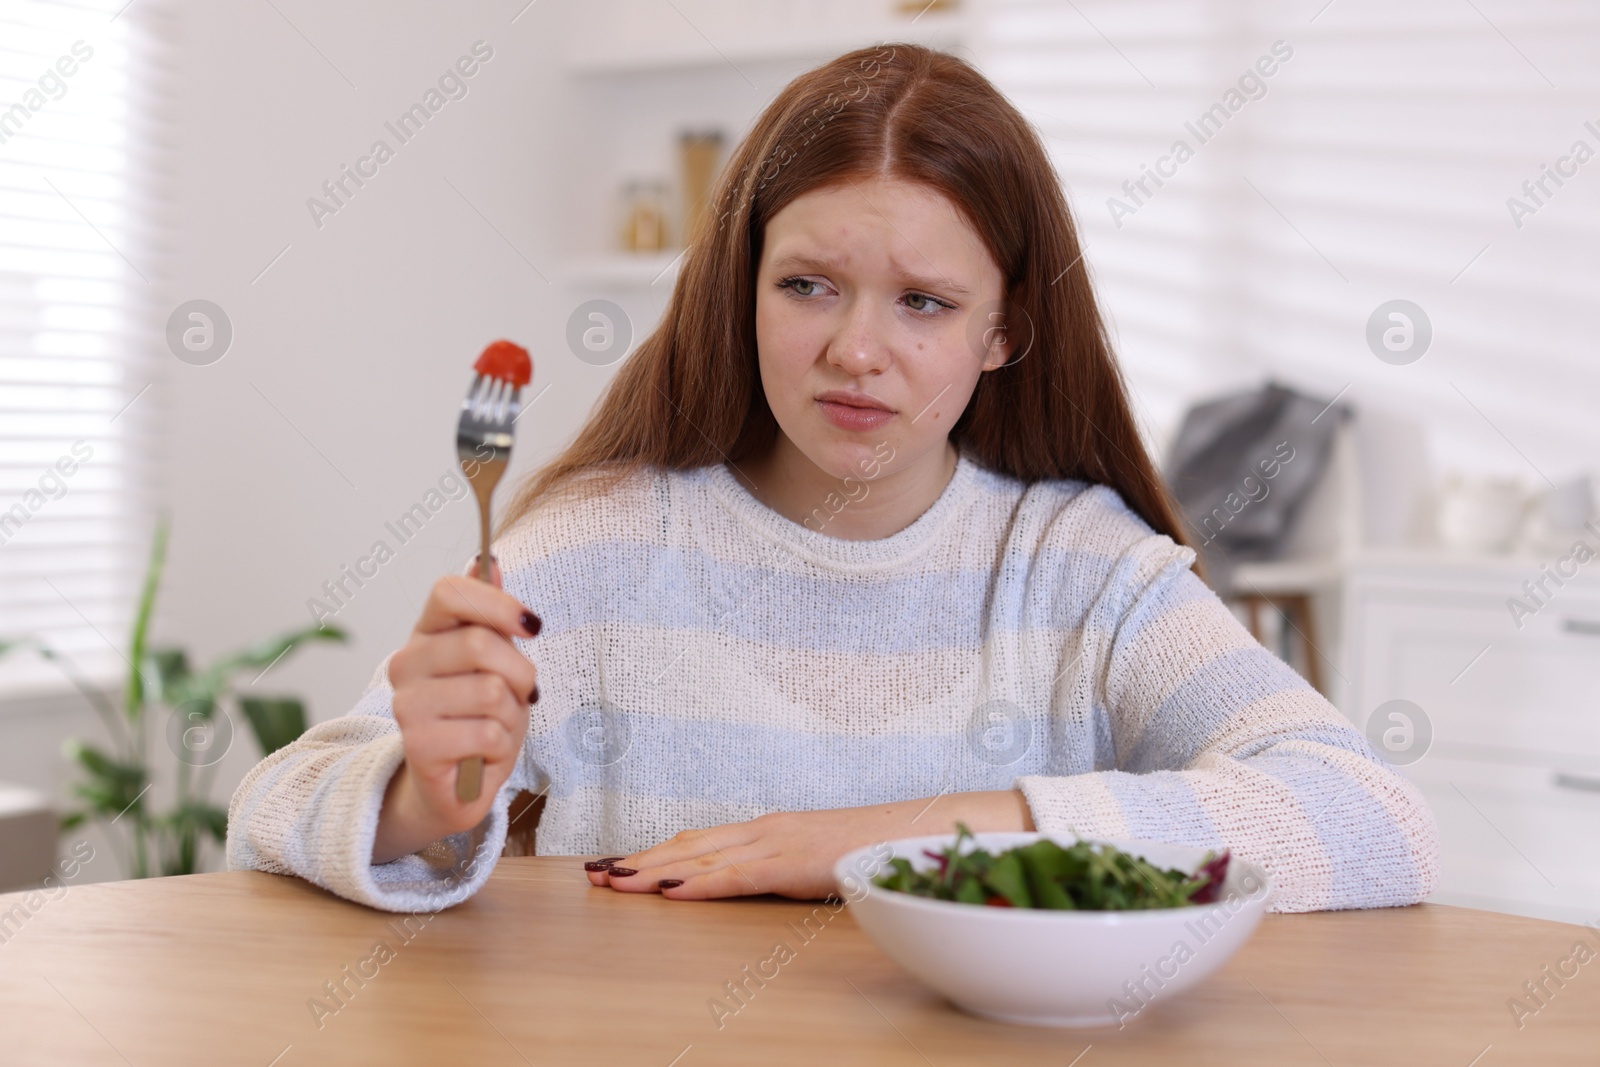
880 290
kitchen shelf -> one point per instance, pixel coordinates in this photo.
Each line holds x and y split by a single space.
691 51
643 71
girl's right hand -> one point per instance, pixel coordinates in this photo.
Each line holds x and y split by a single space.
461 689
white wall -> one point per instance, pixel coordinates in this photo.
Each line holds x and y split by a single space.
334 410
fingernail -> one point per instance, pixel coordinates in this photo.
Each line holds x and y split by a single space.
622 872
532 623
669 883
601 864
534 697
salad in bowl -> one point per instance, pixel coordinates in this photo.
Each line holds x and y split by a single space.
1049 930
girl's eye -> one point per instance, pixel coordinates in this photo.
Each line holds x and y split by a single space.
791 284
932 301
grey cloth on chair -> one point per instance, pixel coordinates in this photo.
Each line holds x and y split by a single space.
1240 467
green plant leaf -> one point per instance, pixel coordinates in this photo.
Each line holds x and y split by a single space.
168 668
208 686
265 653
275 721
100 799
184 861
181 831
135 693
201 690
213 819
113 780
201 816
103 767
112 787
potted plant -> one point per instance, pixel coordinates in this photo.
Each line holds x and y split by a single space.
196 725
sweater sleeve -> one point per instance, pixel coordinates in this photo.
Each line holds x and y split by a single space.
311 809
1218 743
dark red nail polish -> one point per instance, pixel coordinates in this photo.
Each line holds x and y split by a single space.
669 883
533 698
602 864
622 872
532 623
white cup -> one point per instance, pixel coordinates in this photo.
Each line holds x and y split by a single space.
1481 514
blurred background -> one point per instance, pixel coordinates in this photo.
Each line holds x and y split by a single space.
248 249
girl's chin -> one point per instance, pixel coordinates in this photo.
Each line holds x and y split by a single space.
841 455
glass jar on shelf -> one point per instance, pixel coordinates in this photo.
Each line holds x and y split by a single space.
699 154
644 215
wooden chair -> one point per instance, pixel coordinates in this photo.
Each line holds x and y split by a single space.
523 816
1296 609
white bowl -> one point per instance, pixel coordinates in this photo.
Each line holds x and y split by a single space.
1051 968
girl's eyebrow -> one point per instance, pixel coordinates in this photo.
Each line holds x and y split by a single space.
805 261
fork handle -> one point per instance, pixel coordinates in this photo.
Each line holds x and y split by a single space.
469 779
469 772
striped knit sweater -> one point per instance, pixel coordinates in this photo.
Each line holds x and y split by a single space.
705 660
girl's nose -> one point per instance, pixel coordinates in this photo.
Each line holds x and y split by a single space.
857 348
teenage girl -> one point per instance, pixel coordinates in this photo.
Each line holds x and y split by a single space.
862 541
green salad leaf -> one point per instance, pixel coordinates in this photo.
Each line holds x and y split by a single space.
1085 877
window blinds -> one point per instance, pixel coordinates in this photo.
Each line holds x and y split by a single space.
1342 154
80 129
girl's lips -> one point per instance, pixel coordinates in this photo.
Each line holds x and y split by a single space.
849 417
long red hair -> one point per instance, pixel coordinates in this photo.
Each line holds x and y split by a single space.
691 394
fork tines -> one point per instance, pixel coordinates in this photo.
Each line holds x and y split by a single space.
492 400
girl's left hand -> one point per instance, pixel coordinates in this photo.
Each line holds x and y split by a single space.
789 853
792 853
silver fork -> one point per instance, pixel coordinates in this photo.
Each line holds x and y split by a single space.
483 444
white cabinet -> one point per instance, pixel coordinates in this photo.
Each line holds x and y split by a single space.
1512 769
1518 838
1492 691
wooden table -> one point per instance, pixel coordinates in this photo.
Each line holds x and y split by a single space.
541 968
